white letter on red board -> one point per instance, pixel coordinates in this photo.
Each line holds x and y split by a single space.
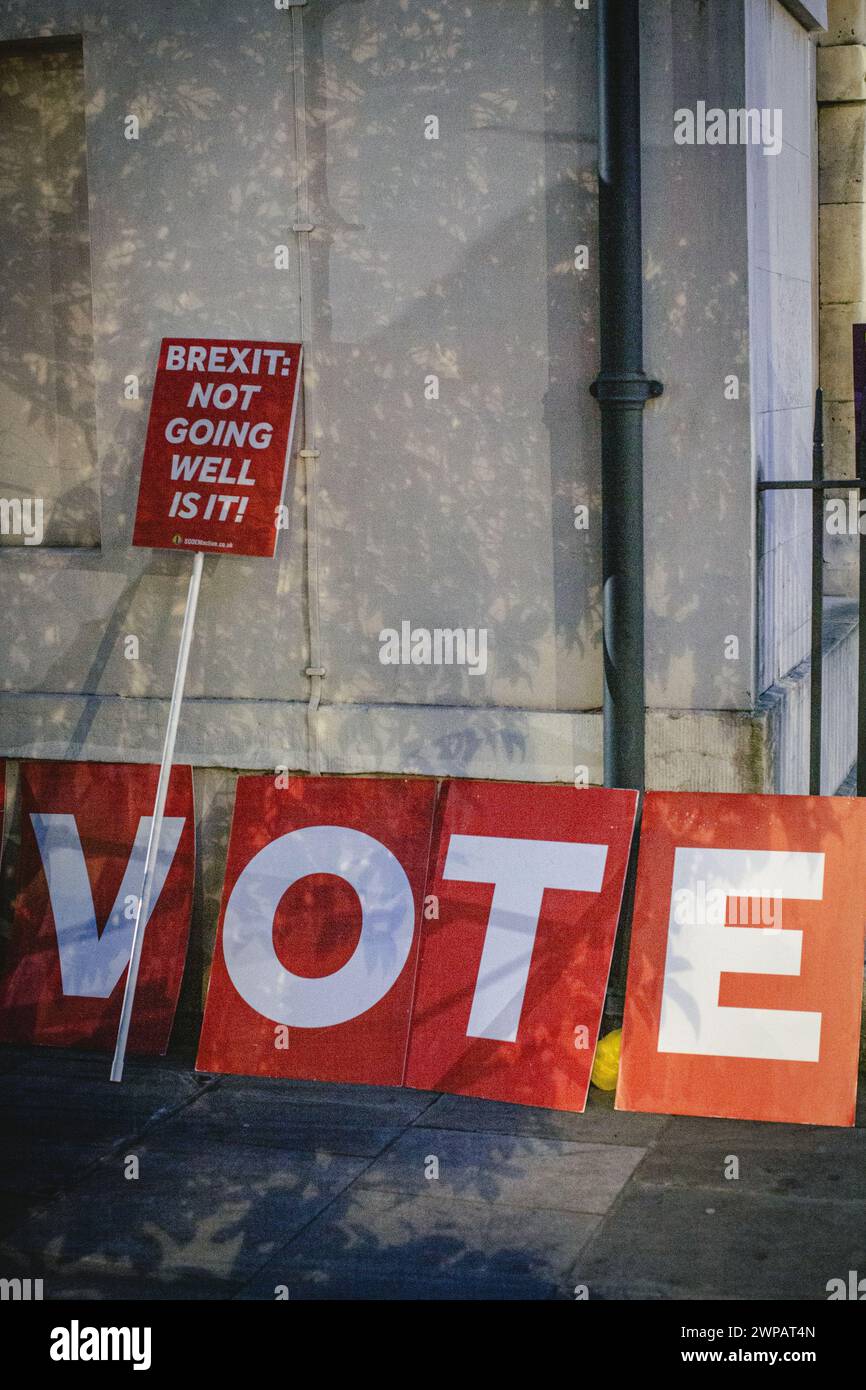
387 926
692 1021
520 870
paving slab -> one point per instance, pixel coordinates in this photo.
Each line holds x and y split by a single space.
58 1109
304 1134
366 1239
97 1286
10 1058
31 1167
219 1217
397 1101
361 1124
14 1206
677 1243
81 1064
515 1170
249 1183
224 1170
599 1123
781 1160
354 1283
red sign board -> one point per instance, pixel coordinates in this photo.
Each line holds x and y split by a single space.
84 829
746 964
315 956
218 445
514 964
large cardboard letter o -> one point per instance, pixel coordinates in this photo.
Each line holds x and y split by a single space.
387 925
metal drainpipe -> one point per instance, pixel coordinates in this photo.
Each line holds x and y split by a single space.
621 389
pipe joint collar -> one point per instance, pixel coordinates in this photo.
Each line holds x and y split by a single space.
625 388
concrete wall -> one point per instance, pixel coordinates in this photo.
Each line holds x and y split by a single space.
453 257
730 267
182 223
699 485
48 436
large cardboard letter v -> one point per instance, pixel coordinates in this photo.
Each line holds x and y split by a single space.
91 963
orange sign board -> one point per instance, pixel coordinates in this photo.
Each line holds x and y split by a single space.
746 965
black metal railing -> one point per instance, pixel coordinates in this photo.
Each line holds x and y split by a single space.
819 486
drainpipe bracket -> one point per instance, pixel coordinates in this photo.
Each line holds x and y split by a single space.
625 388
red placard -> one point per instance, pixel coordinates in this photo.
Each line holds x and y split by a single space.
746 963
218 444
83 837
512 975
315 956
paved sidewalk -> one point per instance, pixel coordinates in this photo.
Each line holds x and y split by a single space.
246 1187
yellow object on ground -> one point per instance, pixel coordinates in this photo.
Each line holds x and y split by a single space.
605 1068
